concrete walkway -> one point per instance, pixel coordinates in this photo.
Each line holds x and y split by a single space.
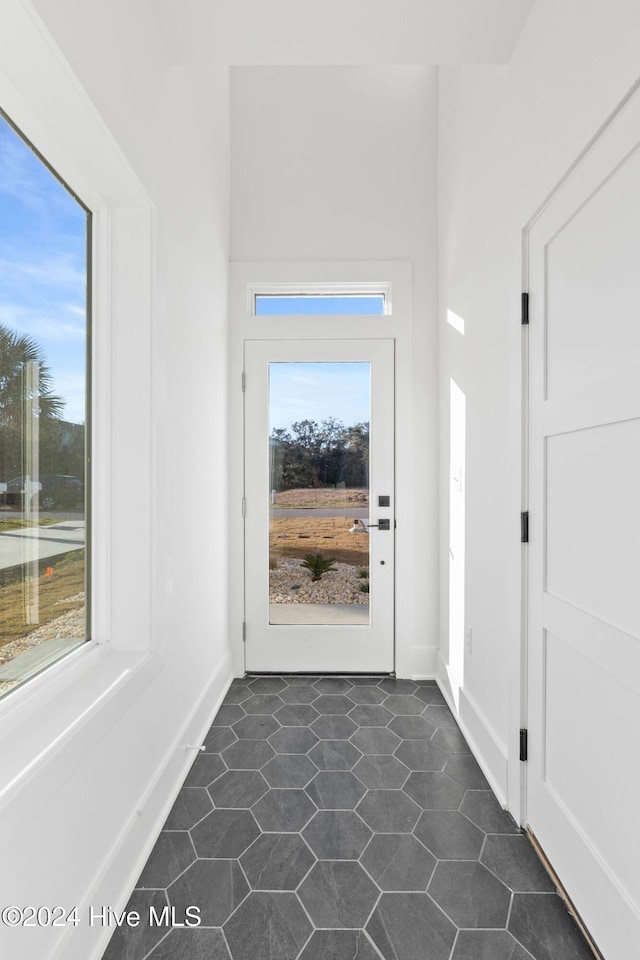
40 543
346 614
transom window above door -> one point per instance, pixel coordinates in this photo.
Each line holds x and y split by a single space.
343 299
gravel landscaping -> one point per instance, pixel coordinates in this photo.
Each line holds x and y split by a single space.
291 583
70 625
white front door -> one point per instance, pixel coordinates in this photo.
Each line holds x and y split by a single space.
584 536
319 505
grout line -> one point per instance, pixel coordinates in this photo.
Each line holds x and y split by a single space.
453 945
482 846
224 937
375 905
162 939
366 934
511 899
305 944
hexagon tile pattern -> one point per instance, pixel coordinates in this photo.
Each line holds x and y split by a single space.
331 818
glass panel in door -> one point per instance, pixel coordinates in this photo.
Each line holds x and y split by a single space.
319 415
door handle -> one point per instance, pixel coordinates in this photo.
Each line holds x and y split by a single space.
381 525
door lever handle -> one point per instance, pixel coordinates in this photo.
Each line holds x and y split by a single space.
381 525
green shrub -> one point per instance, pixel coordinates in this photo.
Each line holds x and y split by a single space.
363 573
317 564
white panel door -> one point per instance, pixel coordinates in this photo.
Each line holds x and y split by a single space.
319 514
584 536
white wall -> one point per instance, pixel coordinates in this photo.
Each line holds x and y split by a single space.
507 135
338 164
147 145
341 32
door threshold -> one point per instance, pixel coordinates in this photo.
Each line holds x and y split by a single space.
317 673
319 614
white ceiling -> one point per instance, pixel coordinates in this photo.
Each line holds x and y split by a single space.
334 32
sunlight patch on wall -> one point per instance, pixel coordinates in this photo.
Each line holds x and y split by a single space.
457 468
455 321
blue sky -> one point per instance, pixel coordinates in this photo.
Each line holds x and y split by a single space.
317 391
43 266
319 305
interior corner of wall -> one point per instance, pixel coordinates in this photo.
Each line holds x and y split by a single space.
423 663
484 742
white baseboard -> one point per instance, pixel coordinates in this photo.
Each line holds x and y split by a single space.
423 663
486 746
117 875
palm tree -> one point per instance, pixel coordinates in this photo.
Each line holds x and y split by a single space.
17 351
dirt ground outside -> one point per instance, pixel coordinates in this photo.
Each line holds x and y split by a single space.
60 590
322 498
297 536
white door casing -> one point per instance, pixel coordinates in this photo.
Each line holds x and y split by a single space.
272 646
584 544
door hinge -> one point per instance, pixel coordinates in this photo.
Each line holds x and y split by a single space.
524 526
524 745
244 507
244 381
244 632
524 316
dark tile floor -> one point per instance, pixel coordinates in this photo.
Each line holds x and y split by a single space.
334 818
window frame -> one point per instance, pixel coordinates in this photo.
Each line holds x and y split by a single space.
88 407
321 289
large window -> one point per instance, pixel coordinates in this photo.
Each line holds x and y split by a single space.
44 345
